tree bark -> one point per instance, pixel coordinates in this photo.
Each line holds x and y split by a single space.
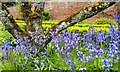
33 18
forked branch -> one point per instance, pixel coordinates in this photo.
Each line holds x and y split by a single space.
14 29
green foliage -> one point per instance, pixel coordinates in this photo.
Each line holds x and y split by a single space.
4 34
46 15
16 60
104 21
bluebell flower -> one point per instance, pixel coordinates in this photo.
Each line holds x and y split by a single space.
111 29
6 42
97 47
105 63
116 17
69 54
84 59
56 42
63 51
94 51
118 53
11 49
26 56
67 60
111 55
89 46
72 69
22 43
100 36
23 48
79 53
70 62
63 70
5 55
112 47
25 38
77 34
100 51
44 53
86 37
90 31
17 47
16 42
14 61
30 44
37 40
90 58
19 40
32 49
22 65
94 35
27 52
72 47
92 27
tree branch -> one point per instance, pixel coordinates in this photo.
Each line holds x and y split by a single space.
81 15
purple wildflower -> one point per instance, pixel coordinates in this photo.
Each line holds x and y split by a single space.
79 53
106 63
26 56
116 17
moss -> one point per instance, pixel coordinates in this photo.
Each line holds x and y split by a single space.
46 15
33 15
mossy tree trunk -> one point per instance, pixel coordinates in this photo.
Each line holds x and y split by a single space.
33 20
